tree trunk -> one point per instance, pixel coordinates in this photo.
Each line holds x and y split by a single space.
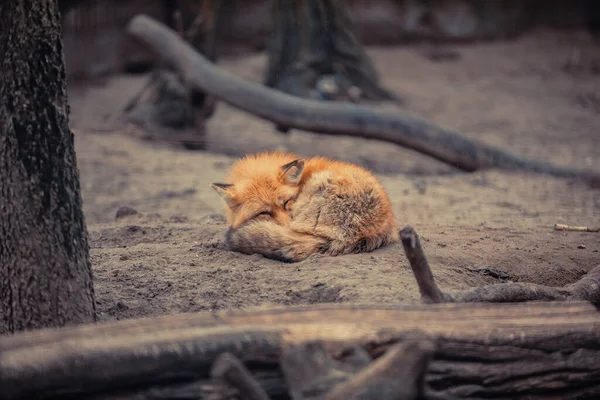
313 53
45 268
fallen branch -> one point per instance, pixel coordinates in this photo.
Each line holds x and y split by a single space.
586 289
330 117
574 228
517 351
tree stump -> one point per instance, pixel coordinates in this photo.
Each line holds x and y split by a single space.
313 53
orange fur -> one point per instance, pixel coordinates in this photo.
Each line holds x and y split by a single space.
287 208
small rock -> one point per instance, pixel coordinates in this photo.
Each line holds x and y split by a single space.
125 211
581 246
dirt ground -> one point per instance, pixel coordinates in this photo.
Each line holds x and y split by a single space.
538 96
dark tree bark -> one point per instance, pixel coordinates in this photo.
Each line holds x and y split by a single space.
313 53
45 268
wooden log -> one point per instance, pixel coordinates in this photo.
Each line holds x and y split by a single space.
334 118
517 351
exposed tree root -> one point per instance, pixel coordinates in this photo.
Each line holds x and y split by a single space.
587 288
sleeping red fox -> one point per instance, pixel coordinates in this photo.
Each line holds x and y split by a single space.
287 208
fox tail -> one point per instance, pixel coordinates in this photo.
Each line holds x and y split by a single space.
274 241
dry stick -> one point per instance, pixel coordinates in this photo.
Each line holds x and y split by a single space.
575 228
430 293
331 117
229 369
587 288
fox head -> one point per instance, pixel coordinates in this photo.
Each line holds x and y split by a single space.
262 187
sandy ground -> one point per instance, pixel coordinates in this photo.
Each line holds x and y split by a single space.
520 95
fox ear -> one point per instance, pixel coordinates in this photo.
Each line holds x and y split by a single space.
292 172
225 190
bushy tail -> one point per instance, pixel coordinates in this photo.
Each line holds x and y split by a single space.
274 241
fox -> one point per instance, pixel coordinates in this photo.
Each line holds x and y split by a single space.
286 207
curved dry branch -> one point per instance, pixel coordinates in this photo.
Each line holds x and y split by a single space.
586 289
330 117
